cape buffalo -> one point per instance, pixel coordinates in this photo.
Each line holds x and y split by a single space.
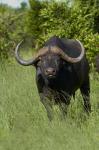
61 69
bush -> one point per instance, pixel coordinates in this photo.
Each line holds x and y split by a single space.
64 19
11 29
75 19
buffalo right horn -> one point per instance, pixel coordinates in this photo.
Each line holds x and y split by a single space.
19 59
41 52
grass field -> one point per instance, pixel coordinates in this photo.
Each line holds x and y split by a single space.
23 121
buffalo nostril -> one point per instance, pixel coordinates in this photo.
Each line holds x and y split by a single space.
50 71
54 71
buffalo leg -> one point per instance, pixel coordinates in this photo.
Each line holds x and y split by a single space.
63 109
85 91
64 102
48 106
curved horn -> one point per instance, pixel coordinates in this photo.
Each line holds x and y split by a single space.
68 58
41 52
19 59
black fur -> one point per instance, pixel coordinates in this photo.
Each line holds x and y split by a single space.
68 77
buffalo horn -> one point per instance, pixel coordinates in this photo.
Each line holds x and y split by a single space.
41 52
68 58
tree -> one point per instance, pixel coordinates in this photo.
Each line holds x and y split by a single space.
33 21
72 19
11 29
23 5
66 19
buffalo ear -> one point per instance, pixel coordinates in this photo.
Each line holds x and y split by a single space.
37 63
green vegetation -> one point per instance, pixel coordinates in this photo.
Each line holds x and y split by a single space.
24 123
76 19
72 19
12 30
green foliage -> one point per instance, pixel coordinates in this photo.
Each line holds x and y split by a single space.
33 20
76 19
54 22
5 42
65 19
50 19
11 29
23 5
85 24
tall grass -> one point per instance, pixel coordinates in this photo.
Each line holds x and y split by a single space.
23 121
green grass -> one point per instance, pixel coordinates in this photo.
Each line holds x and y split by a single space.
23 121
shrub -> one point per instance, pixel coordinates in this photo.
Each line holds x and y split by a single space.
64 19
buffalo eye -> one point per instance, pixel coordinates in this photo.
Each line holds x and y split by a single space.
37 63
39 58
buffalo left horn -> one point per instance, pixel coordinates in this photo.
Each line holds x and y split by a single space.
68 58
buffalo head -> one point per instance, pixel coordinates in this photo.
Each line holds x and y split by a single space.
49 65
49 59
